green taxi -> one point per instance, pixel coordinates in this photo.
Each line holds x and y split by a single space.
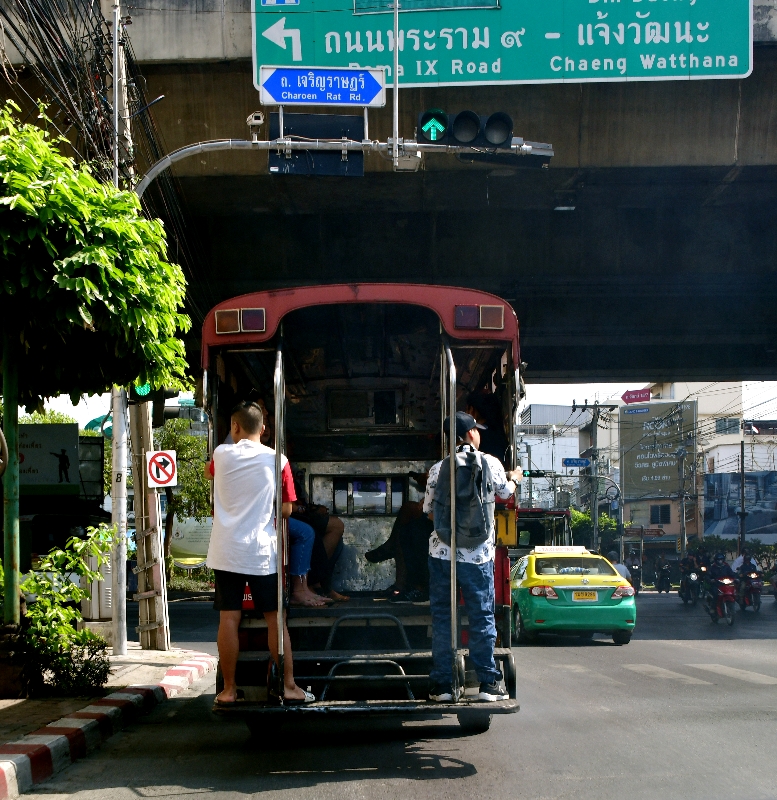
569 590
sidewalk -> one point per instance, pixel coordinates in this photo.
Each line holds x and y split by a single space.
41 737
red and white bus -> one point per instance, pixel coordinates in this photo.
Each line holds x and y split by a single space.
358 380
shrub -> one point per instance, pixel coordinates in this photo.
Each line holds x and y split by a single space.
60 658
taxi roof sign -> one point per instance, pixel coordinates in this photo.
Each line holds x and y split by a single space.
566 548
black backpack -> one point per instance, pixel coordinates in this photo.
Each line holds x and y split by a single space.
474 500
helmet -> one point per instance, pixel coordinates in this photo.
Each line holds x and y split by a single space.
612 555
745 552
720 556
632 552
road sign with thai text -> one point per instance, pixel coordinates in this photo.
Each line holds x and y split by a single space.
465 42
161 469
313 86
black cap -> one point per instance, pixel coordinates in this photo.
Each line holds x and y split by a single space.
464 424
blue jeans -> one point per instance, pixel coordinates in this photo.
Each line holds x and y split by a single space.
476 582
301 537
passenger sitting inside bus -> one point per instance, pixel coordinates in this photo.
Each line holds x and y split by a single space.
327 545
409 539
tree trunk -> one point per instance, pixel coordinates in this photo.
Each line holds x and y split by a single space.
11 478
169 520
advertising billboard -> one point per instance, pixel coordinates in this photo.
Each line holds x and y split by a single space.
650 437
721 503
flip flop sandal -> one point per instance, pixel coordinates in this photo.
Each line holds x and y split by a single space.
239 698
309 698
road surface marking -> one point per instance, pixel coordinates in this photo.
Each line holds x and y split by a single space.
664 674
581 670
740 674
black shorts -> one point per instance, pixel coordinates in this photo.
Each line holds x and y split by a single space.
230 587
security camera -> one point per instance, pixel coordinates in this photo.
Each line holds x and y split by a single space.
255 121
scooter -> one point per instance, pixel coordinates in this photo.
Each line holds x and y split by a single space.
689 588
663 584
751 587
720 600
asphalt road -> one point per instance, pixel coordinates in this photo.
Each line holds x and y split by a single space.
687 709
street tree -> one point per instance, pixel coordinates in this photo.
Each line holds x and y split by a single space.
191 498
88 298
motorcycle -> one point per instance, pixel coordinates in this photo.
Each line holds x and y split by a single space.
636 578
751 587
720 600
663 584
689 588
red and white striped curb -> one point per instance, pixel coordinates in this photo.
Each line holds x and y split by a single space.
42 753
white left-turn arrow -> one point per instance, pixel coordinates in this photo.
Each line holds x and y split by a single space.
278 34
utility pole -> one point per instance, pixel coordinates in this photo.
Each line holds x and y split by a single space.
528 456
681 470
741 513
553 463
596 410
118 402
395 94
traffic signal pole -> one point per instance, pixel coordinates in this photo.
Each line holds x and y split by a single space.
395 94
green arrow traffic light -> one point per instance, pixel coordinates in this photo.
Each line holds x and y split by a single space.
433 124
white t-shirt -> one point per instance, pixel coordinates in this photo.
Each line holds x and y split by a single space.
243 538
483 553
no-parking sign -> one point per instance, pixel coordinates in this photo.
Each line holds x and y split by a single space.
161 468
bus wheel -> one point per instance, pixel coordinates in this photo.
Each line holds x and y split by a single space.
475 723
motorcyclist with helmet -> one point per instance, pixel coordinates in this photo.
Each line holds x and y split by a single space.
687 565
720 568
743 564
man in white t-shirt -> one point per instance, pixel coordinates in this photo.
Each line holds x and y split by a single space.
475 577
243 546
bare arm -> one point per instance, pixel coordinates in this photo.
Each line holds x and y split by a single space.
286 509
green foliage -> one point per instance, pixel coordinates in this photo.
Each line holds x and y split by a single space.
83 272
192 497
582 529
717 544
200 579
61 658
46 417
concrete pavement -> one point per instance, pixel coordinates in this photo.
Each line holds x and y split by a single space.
686 709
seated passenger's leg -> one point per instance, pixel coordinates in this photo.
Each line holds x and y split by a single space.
301 539
414 541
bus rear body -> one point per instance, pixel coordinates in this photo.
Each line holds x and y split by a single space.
357 380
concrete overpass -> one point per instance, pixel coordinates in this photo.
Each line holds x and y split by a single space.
666 268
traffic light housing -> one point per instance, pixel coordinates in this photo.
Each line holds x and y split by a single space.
534 473
158 405
140 393
467 128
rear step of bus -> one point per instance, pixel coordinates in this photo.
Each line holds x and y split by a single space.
410 708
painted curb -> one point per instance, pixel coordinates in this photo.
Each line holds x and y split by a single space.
45 752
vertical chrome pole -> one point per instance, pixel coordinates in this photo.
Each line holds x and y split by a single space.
395 90
452 457
280 122
279 392
366 124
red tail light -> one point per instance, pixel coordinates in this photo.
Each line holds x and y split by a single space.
544 591
623 591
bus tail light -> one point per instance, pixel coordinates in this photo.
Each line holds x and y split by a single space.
544 591
489 318
241 320
623 591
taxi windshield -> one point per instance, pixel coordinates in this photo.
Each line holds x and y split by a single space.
566 565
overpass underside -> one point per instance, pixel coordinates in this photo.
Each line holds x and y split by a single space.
665 269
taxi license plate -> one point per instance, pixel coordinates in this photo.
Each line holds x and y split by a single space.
589 596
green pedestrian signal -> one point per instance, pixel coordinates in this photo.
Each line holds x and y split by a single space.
433 125
142 390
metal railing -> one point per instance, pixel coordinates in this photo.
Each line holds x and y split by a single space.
279 391
450 370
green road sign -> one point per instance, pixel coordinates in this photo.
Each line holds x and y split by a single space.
463 42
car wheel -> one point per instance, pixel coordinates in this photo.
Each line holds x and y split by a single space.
621 637
475 723
520 634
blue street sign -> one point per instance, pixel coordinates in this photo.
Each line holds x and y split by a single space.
576 462
636 410
322 86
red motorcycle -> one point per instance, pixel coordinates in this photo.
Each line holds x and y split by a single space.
751 586
720 600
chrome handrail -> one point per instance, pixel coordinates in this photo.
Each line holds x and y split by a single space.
452 456
279 392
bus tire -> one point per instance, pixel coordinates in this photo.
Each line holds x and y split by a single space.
475 723
264 730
